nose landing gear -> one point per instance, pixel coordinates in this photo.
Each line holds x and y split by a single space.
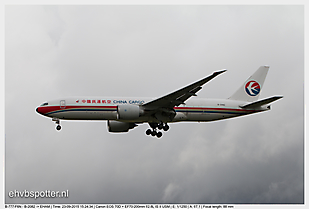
57 121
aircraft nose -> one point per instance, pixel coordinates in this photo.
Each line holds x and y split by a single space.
38 110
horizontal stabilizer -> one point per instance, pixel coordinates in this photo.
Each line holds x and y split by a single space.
261 102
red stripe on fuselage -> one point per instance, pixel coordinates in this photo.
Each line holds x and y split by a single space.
48 109
45 110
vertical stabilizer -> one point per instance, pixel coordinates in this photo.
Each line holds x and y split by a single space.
251 89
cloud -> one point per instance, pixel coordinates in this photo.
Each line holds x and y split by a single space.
149 51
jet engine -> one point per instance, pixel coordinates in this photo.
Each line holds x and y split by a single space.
118 126
129 112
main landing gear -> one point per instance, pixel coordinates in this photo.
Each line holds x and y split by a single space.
57 121
154 127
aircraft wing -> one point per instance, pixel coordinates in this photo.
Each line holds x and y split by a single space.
180 96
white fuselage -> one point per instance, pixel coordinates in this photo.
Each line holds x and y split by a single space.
123 114
106 108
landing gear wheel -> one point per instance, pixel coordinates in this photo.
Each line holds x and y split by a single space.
166 127
155 127
148 132
57 121
159 134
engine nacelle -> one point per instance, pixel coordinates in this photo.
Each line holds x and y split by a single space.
129 112
118 126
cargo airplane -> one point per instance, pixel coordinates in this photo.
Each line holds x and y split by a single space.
123 114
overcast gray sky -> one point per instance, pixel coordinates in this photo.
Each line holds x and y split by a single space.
149 51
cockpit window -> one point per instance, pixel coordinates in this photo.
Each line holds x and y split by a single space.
44 104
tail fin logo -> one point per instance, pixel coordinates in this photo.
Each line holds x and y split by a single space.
252 88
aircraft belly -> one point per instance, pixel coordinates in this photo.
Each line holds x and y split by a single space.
86 115
208 116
